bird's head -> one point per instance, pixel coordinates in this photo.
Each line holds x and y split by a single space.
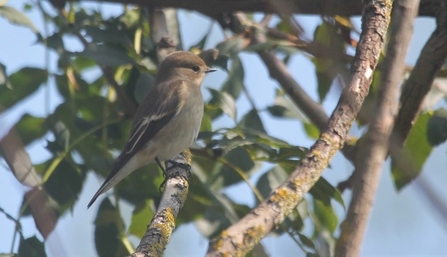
184 65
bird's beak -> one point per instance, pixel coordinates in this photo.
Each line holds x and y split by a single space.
208 69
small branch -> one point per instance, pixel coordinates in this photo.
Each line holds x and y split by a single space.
421 78
174 196
374 145
241 237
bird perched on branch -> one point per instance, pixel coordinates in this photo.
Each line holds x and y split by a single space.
168 119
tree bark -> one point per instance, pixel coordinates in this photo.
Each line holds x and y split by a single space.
374 145
242 236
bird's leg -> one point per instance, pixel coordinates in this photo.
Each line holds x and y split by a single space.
161 167
165 174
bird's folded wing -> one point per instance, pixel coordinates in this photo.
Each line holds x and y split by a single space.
156 111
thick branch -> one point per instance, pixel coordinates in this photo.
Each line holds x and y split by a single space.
374 145
421 78
241 237
317 7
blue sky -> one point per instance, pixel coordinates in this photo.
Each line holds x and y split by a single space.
401 223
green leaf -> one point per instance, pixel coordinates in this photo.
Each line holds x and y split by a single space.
16 17
141 217
141 184
213 222
437 128
110 34
106 55
407 163
252 121
306 241
224 101
234 83
55 42
284 108
327 68
3 77
222 61
325 215
65 183
224 175
31 247
108 231
324 191
22 83
31 128
311 130
144 83
270 180
232 46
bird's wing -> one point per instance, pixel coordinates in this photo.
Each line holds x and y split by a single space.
156 110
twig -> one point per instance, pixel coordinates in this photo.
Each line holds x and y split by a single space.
241 237
374 145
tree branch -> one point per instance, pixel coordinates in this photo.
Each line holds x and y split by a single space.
241 237
317 7
160 229
421 78
374 145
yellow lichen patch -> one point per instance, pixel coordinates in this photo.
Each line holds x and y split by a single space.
251 237
351 141
188 156
219 241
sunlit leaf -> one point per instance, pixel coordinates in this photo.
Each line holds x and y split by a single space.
311 130
16 17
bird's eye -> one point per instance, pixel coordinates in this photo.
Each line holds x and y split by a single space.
195 68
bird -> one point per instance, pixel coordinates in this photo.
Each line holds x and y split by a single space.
168 119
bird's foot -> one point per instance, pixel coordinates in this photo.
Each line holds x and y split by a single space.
173 165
